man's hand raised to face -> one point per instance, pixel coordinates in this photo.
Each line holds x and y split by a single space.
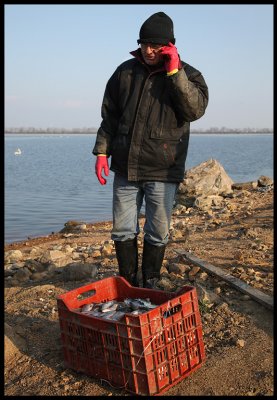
171 58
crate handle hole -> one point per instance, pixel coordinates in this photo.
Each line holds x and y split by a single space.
87 294
172 311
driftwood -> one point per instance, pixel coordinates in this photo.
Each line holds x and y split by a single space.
256 294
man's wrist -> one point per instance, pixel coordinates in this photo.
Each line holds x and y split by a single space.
174 71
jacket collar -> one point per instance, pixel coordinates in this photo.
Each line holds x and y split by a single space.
138 56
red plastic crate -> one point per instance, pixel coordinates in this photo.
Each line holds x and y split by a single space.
145 354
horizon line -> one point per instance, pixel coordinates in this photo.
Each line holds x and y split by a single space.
85 129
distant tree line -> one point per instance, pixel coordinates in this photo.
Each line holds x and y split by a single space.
94 130
50 130
232 130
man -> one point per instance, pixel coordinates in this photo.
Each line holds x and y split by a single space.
148 105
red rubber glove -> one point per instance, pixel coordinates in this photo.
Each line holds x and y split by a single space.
171 58
102 164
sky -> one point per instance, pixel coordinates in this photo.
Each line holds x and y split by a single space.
58 59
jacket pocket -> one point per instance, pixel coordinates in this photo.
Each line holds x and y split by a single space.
167 133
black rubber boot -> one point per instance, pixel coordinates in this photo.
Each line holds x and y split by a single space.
127 258
152 260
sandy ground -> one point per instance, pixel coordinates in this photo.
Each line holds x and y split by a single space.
238 331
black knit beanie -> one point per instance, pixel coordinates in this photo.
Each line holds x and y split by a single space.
157 29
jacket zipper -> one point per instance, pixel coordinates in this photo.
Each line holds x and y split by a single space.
142 136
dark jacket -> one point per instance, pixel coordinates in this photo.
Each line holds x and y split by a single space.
146 119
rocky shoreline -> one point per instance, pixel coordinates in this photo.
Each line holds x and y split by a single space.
198 209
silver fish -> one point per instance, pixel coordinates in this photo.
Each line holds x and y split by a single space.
113 307
106 306
118 315
108 314
145 303
86 308
137 312
128 302
137 304
115 310
95 313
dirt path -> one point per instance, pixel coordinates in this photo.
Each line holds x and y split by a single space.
238 332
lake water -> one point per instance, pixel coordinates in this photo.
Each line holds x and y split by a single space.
53 180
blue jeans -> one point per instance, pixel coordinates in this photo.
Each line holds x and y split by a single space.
127 202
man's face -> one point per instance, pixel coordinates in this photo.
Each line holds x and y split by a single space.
151 53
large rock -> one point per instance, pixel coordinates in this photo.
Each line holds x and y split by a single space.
13 256
78 271
73 226
57 257
265 181
206 179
